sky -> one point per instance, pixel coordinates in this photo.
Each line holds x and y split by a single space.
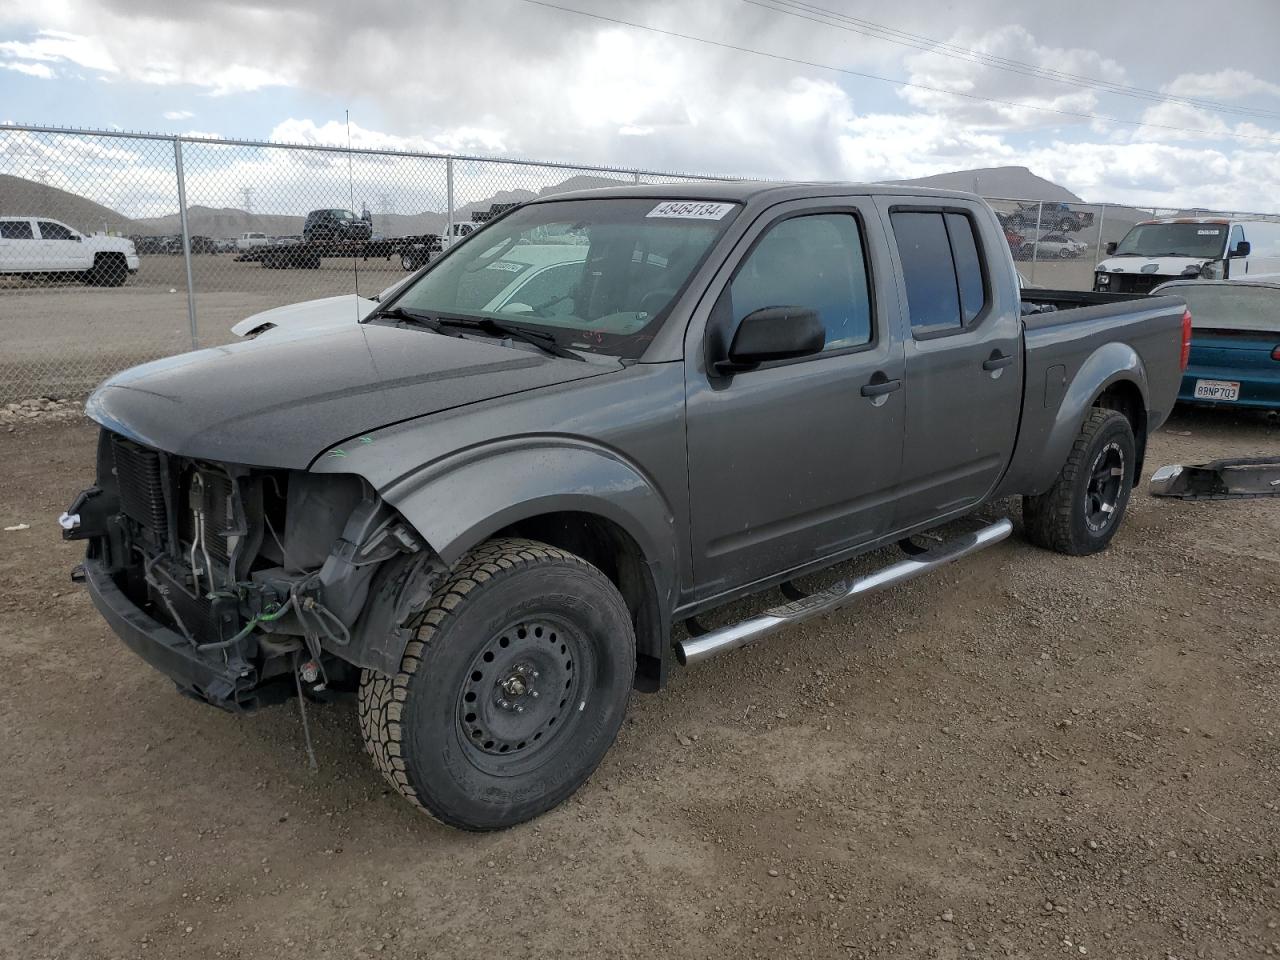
528 78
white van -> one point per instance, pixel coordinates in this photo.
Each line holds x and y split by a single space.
1182 248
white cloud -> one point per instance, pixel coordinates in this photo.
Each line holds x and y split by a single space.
178 114
1227 84
59 46
1024 92
502 77
41 70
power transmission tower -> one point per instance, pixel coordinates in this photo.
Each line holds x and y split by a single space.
246 194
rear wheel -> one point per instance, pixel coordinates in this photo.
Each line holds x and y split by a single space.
511 692
1083 509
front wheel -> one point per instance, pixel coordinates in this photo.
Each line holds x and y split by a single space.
1083 509
511 692
408 261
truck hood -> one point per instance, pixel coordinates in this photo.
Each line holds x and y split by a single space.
283 400
309 315
103 243
1164 266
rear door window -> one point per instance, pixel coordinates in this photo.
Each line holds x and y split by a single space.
942 269
16 230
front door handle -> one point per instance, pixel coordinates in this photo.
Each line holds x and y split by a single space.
997 361
878 388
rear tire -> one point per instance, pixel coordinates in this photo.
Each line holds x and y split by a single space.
511 692
1083 509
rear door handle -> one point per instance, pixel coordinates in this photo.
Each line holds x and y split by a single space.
878 388
997 361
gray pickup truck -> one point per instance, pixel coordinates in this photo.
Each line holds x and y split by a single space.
485 506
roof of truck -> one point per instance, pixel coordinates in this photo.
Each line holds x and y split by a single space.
744 191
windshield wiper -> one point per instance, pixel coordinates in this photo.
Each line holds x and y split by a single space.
544 341
416 317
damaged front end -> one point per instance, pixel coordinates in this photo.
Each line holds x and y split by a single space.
244 584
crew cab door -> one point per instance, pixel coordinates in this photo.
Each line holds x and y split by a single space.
795 460
61 247
964 360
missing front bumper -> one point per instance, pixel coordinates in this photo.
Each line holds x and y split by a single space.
1219 479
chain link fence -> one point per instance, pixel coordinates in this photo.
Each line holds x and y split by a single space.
120 248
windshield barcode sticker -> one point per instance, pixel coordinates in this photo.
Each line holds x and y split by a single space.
1208 233
690 210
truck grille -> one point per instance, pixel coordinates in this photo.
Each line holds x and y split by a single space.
1135 282
141 484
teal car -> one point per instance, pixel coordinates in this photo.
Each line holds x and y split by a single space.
1235 342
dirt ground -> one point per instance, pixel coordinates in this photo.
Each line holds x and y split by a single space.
1027 756
62 338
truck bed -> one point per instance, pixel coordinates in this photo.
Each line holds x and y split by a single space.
1066 331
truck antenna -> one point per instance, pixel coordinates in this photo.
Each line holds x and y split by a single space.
351 198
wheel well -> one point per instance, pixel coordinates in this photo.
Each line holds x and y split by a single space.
610 549
1124 397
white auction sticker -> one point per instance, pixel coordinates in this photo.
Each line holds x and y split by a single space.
690 209
1207 233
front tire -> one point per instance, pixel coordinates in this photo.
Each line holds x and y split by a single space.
1083 509
109 270
511 692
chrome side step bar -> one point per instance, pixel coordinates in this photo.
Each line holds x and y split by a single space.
699 648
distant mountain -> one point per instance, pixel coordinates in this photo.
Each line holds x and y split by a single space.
1017 183
30 198
20 197
220 222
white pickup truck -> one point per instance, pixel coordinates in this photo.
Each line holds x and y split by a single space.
31 246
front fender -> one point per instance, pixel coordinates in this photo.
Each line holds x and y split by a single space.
460 501
1054 409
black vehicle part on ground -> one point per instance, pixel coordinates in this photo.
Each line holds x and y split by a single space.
1230 479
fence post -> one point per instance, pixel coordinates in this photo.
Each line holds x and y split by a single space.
448 180
635 176
186 240
1097 252
1035 247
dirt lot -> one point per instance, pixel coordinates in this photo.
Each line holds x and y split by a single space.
63 338
1028 756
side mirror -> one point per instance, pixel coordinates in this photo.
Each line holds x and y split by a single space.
774 333
1241 249
1111 248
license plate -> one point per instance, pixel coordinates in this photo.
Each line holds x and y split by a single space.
1217 390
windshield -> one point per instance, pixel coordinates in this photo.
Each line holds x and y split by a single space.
1205 241
599 275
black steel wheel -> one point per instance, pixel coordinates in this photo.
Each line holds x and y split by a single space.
521 693
512 691
1083 509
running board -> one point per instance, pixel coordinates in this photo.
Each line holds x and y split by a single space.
699 648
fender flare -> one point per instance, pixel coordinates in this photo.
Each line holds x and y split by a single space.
461 500
1109 364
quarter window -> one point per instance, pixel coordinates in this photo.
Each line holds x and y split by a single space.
942 269
16 230
814 262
